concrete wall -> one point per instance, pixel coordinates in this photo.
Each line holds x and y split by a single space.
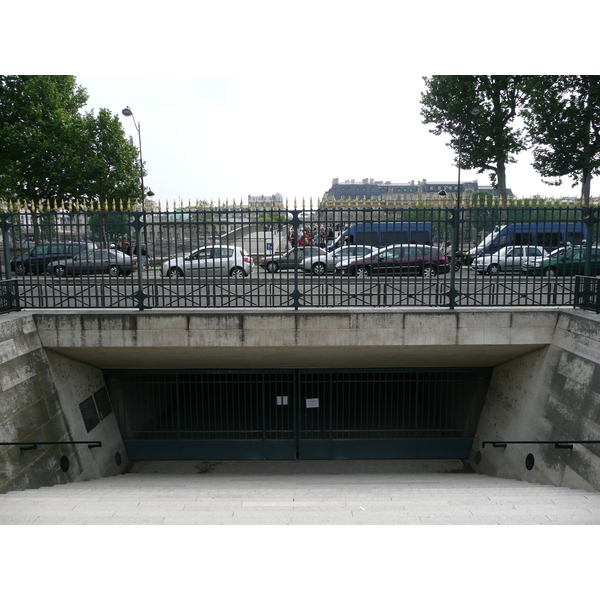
40 394
545 386
551 394
281 339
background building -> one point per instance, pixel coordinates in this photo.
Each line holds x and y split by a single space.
265 202
372 192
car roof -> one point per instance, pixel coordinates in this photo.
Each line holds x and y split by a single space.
406 246
217 246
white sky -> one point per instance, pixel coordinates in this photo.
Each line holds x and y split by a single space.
237 98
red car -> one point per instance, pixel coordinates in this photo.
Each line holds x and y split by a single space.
408 259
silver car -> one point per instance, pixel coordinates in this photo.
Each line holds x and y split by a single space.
321 264
296 257
509 258
93 262
210 261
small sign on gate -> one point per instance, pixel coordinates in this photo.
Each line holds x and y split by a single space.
282 400
312 403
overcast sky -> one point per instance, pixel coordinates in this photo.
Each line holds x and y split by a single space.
254 98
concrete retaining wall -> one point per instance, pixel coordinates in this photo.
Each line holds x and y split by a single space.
545 386
283 339
40 393
551 394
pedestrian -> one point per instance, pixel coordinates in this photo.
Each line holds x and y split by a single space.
143 256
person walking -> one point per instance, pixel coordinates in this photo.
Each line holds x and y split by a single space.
143 256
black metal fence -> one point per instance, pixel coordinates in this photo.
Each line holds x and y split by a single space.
9 296
444 256
587 293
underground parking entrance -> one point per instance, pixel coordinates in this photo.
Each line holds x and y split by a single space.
298 414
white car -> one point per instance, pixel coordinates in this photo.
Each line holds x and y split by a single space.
509 258
210 261
321 264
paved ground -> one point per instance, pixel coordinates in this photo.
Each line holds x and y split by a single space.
301 492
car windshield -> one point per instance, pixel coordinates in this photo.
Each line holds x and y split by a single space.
487 241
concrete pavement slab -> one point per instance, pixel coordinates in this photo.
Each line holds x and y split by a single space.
300 492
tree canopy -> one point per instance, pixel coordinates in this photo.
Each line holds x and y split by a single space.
50 151
562 114
488 140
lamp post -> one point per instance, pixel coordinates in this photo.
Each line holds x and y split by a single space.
139 221
456 218
129 113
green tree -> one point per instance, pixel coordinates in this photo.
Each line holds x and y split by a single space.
51 152
488 141
38 119
107 226
108 161
563 118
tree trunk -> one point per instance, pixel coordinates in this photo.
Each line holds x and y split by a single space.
501 179
586 185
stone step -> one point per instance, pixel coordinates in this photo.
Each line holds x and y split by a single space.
246 492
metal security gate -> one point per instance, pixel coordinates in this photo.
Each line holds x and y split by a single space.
208 414
300 414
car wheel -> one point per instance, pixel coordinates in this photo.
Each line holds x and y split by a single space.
493 269
114 271
175 272
550 272
319 269
60 271
362 271
237 272
21 269
429 271
272 267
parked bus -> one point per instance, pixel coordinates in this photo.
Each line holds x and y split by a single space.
384 233
547 235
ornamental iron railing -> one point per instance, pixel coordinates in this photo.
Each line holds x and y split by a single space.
587 293
519 253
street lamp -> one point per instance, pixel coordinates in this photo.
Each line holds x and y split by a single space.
139 222
456 219
129 113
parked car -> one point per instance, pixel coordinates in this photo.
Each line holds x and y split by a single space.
565 262
318 264
93 262
509 258
210 260
409 259
289 259
37 259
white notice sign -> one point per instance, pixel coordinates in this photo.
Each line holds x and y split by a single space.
312 403
282 400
